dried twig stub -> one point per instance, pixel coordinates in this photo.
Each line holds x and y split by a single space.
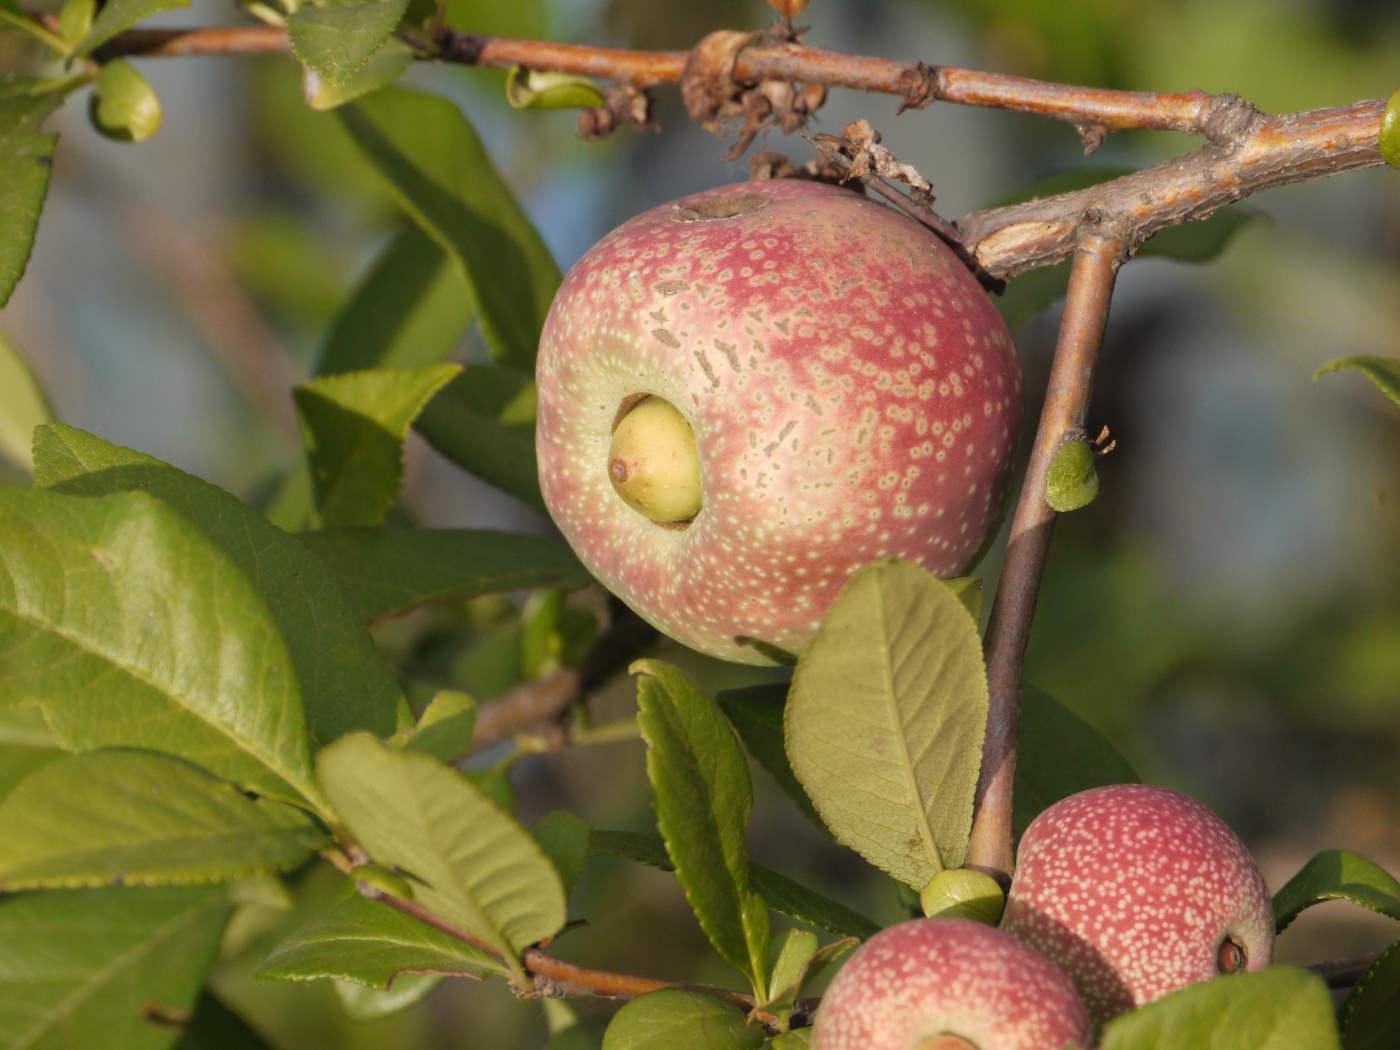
624 104
718 102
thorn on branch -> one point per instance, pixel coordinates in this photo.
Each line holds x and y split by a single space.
1091 134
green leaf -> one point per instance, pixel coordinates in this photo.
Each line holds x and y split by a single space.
383 67
756 712
1072 482
673 1018
886 717
123 106
1058 755
389 571
345 683
473 865
23 405
795 954
215 1027
781 893
141 818
564 838
26 746
1389 141
1281 1008
11 17
444 729
75 19
105 968
533 89
797 1039
370 1004
434 165
132 629
703 798
411 308
118 15
337 40
26 158
1337 874
1371 1014
484 422
354 426
1384 372
370 943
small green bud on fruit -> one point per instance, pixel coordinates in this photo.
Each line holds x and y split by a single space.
654 464
962 893
1072 481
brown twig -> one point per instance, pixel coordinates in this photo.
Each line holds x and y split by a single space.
544 699
1096 262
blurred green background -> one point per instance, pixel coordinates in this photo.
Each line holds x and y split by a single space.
1228 610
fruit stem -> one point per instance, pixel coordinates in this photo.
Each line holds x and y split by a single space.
1096 261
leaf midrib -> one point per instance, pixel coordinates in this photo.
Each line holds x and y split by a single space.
249 747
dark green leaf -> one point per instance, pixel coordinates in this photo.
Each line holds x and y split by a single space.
564 838
118 15
105 968
437 170
444 729
337 40
1059 754
26 158
673 1018
757 713
354 426
1337 874
410 309
1384 372
781 893
23 405
215 1027
123 105
472 864
484 422
387 572
370 943
141 818
345 683
1371 1015
1281 1008
886 717
132 629
701 791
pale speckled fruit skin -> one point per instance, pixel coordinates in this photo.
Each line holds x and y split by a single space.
854 394
1131 889
926 977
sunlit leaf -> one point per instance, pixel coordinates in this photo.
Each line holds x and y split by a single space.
1337 874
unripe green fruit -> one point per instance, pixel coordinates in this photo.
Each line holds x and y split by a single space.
963 893
654 464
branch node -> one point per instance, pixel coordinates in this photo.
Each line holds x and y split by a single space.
917 86
462 48
1230 119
